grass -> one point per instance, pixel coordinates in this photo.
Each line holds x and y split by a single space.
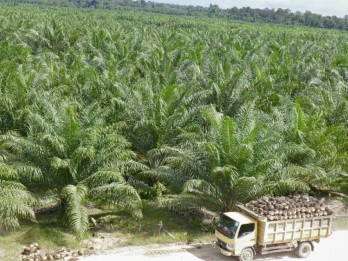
176 228
47 232
51 235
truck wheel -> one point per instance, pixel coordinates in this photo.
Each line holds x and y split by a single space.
246 255
304 249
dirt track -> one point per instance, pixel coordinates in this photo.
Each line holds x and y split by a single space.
334 248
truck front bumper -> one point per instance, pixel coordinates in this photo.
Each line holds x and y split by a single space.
222 249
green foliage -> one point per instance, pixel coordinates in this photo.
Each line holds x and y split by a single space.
74 197
120 194
116 107
16 203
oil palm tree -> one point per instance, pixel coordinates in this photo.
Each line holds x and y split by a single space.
243 159
16 201
71 151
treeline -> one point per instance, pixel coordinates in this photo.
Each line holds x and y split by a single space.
276 16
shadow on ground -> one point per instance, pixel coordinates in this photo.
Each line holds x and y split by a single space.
207 253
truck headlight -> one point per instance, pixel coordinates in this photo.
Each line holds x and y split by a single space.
230 247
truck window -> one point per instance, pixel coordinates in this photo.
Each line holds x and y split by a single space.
227 226
246 229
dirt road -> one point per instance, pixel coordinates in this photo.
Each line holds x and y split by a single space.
334 248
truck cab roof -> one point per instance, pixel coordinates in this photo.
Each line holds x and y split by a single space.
241 218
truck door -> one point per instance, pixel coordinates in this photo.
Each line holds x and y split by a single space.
246 237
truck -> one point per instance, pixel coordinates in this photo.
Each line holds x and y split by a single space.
245 233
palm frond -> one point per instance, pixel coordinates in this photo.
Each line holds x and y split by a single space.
71 126
103 177
198 186
138 184
29 172
289 186
53 141
227 136
37 121
13 142
246 119
298 153
57 163
225 176
74 197
83 152
131 166
213 117
213 151
121 195
7 172
16 204
248 188
187 161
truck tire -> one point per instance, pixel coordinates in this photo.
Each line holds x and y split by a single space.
247 254
304 249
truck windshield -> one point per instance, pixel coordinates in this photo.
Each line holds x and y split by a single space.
227 226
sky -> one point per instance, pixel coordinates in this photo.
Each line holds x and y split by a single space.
338 8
